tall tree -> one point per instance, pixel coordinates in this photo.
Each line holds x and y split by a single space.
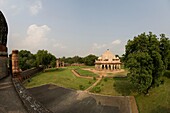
26 60
144 61
44 58
165 50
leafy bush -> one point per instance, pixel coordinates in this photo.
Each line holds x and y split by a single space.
81 87
96 89
167 73
94 78
105 79
89 82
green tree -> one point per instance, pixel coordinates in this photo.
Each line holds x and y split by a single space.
144 61
165 50
44 58
90 60
26 59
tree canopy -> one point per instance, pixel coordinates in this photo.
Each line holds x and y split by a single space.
146 56
87 60
28 60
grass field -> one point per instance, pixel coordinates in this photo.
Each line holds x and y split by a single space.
61 77
158 100
86 73
118 74
115 86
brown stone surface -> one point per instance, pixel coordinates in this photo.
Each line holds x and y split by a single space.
3 67
3 48
62 100
15 63
9 99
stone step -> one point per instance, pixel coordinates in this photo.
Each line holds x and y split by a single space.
5 85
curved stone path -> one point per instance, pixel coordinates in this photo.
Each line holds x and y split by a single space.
98 79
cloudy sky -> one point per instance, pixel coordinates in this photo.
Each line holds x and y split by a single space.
82 27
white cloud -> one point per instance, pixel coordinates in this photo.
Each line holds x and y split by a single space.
98 46
36 7
116 42
58 45
36 37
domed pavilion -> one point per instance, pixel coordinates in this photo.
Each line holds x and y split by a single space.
108 61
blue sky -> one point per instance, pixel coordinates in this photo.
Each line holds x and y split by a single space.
82 27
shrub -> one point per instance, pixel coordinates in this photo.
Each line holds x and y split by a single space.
81 87
94 78
89 82
167 73
96 89
105 79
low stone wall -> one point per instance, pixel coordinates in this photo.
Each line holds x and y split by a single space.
31 104
30 72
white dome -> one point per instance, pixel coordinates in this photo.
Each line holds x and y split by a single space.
108 56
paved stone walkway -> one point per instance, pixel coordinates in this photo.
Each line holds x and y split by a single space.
9 99
62 100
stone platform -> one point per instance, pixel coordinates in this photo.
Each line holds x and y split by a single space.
62 100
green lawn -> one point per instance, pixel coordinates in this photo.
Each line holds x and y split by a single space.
61 77
118 74
115 87
86 73
158 100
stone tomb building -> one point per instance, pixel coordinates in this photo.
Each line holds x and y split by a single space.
59 63
108 61
3 47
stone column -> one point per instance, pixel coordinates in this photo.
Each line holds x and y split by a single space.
15 64
100 67
111 67
119 66
114 67
63 63
57 63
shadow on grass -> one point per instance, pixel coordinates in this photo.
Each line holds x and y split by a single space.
161 109
123 86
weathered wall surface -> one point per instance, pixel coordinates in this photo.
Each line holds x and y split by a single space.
3 66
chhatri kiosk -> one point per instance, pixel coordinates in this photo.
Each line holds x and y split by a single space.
108 61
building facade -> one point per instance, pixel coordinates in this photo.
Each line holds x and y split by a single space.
3 47
108 61
59 63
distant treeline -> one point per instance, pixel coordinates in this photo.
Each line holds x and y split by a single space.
88 60
28 60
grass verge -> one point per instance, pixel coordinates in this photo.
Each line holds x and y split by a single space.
61 77
86 73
